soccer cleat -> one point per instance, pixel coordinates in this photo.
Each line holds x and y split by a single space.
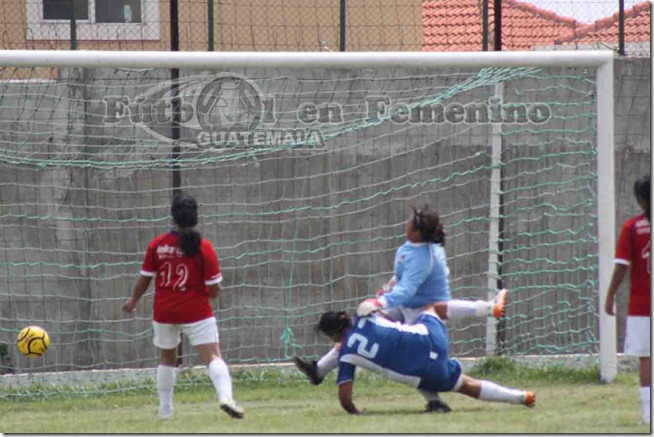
530 399
233 410
437 406
499 303
309 368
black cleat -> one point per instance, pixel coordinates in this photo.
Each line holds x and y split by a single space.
309 368
437 406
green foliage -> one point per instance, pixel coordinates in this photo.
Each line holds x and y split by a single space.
506 370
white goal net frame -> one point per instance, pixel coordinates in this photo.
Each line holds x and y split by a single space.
601 61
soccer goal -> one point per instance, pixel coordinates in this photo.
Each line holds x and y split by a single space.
304 165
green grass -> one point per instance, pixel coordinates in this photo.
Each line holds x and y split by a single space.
568 401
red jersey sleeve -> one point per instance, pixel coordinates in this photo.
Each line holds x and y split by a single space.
211 268
624 250
149 267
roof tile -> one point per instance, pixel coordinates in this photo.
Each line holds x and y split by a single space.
525 26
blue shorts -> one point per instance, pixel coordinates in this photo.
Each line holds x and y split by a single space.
442 372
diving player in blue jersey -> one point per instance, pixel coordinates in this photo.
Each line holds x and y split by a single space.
421 278
416 355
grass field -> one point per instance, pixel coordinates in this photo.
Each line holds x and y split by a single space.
567 402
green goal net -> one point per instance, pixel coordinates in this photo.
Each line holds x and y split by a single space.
304 178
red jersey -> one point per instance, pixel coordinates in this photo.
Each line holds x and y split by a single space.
633 251
181 294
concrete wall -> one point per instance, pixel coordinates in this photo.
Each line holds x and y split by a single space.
299 231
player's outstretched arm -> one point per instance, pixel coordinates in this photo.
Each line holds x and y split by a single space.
345 390
141 286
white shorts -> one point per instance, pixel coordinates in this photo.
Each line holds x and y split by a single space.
167 335
637 343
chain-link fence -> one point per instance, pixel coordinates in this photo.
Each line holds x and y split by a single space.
321 25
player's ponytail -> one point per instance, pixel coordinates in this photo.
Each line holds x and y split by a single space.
185 214
429 224
642 191
333 322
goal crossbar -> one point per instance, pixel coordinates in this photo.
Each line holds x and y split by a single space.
81 58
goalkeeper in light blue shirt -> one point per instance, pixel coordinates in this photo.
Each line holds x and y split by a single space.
421 278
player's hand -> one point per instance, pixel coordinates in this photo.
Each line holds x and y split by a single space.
385 288
368 307
609 304
129 306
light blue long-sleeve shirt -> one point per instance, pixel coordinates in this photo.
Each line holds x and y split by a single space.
422 276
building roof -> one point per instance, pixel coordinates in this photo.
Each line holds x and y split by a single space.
456 25
605 30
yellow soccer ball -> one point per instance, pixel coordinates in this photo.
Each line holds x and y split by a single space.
33 341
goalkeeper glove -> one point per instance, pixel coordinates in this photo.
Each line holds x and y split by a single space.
386 288
369 306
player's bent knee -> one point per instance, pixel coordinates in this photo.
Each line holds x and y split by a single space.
458 384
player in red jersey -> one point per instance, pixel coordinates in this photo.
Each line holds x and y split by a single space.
187 275
633 252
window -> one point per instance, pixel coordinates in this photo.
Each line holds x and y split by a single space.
95 19
61 9
117 11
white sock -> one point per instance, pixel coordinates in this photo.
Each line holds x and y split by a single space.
644 402
328 362
458 309
429 395
496 393
222 382
165 385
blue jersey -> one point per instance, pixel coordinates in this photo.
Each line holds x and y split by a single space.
416 355
422 276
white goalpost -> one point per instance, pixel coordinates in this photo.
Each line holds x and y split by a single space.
304 165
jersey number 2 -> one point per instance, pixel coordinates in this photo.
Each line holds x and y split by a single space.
363 349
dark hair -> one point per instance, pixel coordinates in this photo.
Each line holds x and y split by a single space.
428 223
333 322
642 191
185 214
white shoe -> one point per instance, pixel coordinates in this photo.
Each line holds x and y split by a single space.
233 410
165 415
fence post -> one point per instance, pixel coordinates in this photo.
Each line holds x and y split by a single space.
73 26
174 92
621 50
210 23
484 25
342 24
497 10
